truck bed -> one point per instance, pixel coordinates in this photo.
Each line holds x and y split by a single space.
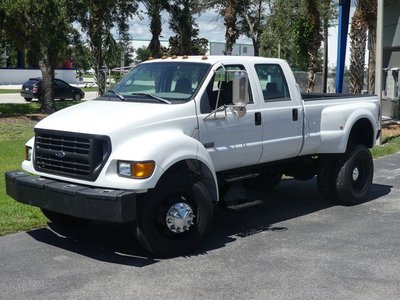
329 96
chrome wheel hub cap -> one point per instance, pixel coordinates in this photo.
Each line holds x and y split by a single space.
179 217
356 174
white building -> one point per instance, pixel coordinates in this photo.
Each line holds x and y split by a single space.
214 48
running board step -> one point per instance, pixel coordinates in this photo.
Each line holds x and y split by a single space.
232 179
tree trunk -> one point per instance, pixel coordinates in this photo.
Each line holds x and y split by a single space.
256 46
186 33
314 42
96 44
47 65
231 33
371 60
358 37
325 67
21 58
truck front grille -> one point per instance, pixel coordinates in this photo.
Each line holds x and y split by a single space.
69 154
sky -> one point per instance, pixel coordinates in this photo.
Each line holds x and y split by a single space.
211 27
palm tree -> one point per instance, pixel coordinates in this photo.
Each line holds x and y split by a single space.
154 9
231 33
358 38
369 10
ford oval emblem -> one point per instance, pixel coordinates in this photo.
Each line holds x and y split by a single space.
60 154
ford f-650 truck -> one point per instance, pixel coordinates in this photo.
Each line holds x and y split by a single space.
175 134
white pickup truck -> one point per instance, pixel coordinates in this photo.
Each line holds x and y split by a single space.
175 134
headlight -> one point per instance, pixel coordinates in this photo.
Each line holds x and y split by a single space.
135 169
28 153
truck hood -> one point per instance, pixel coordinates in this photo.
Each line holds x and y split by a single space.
106 117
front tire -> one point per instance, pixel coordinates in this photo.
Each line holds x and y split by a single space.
28 99
77 97
175 216
62 219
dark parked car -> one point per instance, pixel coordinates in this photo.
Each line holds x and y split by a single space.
62 90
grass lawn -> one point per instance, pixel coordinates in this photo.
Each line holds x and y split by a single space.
15 130
30 108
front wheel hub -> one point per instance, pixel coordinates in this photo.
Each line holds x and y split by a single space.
179 217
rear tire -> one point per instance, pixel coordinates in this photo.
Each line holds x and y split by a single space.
355 173
156 230
62 219
28 99
347 178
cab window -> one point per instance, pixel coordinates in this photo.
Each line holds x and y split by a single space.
225 81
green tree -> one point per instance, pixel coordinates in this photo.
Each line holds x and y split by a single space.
98 18
309 38
44 27
153 11
253 21
143 53
278 36
364 18
183 23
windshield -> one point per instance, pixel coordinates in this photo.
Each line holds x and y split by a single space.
174 82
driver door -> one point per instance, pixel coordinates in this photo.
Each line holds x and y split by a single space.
232 142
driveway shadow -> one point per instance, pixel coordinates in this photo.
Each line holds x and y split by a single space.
114 243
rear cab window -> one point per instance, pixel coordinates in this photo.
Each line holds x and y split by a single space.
272 82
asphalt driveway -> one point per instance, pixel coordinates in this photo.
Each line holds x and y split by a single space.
294 245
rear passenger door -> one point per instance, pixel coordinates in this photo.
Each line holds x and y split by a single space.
281 114
61 89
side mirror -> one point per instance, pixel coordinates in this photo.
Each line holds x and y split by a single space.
240 88
240 92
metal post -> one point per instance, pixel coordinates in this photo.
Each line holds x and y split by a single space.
344 12
379 57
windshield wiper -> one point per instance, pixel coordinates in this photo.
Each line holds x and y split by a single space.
162 100
117 94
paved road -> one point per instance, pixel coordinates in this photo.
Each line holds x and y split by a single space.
16 98
295 245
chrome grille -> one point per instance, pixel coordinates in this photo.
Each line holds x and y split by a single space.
71 154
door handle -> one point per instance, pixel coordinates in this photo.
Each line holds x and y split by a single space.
295 114
257 118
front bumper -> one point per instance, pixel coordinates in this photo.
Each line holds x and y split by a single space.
28 94
72 199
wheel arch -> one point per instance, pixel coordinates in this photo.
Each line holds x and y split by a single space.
362 132
171 151
196 168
